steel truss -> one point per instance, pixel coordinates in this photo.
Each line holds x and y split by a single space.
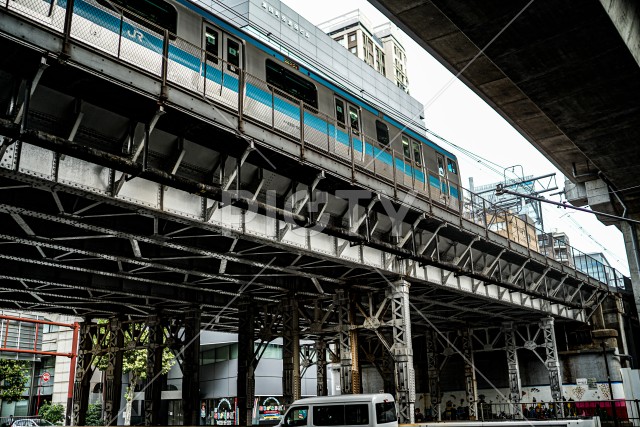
178 211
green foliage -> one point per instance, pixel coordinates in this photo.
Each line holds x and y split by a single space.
134 361
94 415
13 379
52 413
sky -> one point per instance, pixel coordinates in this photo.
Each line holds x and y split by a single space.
457 114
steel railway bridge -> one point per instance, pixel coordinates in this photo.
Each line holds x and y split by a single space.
126 196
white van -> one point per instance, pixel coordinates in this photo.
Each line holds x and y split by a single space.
370 410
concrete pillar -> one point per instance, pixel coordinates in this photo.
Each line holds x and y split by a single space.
83 374
113 374
471 384
630 234
191 369
515 388
402 350
321 365
246 383
153 390
552 363
290 352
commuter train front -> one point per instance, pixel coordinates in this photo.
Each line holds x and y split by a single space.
209 56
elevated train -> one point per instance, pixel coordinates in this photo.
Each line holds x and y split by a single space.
208 55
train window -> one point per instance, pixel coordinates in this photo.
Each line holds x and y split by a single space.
382 133
340 111
417 153
354 118
233 55
440 165
157 12
451 166
405 147
291 83
211 42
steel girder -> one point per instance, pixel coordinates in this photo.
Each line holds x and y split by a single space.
471 385
83 372
515 388
402 350
113 373
498 269
290 351
153 387
246 357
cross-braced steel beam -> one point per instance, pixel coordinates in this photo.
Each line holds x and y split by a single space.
290 352
402 351
552 363
515 388
471 385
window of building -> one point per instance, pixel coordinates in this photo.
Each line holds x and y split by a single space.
352 37
451 166
143 12
382 133
291 83
354 50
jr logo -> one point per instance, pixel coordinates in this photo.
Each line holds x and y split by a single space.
135 34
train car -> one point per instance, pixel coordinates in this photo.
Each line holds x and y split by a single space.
208 55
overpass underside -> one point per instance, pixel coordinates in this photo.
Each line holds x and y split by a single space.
126 196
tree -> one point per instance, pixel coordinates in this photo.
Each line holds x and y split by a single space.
52 413
134 361
94 415
13 379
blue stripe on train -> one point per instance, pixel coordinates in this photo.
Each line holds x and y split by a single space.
194 63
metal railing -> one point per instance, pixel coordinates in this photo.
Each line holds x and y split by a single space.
618 412
175 61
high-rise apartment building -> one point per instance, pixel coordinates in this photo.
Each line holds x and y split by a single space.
379 46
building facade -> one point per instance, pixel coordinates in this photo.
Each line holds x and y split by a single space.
379 47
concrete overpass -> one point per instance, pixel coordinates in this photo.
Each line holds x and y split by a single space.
564 74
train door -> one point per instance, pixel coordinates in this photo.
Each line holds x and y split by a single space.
442 174
418 159
355 124
342 144
407 175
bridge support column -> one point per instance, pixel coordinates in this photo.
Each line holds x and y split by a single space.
191 369
433 370
246 355
321 367
552 363
153 390
512 364
83 373
113 373
402 350
349 369
471 385
290 352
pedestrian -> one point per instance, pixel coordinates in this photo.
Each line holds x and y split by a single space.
418 416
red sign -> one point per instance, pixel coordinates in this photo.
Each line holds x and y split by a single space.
46 376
